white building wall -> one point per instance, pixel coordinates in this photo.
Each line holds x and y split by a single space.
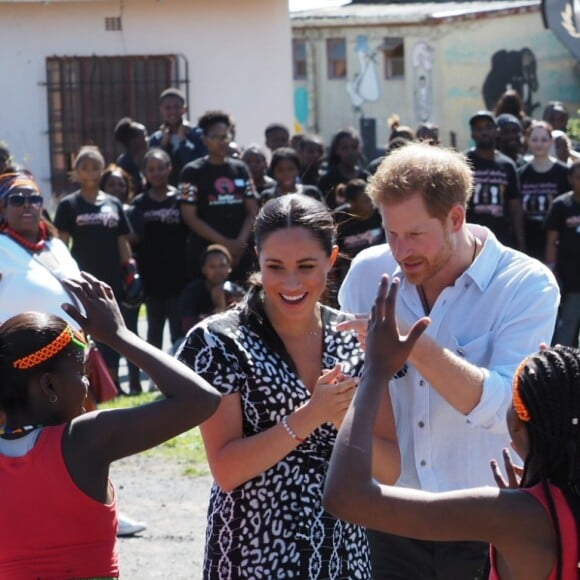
238 53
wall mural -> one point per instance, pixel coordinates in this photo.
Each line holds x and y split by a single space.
512 69
364 87
301 109
562 17
422 58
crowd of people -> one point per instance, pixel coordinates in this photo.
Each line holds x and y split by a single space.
350 335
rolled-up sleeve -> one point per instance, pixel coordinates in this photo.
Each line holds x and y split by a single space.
529 321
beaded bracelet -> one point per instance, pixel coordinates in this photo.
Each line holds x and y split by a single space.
290 431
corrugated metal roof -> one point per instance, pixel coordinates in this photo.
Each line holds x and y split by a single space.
408 13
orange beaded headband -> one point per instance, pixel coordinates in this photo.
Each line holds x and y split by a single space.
67 336
519 407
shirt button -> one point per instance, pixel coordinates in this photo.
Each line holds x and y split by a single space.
422 463
421 424
421 383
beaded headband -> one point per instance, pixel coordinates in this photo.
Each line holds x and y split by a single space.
33 359
519 407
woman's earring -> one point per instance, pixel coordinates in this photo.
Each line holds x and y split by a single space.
53 398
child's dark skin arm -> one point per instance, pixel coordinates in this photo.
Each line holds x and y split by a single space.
94 440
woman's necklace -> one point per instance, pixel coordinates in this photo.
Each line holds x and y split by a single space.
37 246
18 430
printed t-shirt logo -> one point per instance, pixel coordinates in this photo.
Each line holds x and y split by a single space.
224 185
106 216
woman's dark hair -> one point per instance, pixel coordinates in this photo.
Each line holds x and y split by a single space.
114 168
351 189
20 336
211 118
510 102
348 133
549 387
10 165
215 249
281 154
157 153
126 129
295 210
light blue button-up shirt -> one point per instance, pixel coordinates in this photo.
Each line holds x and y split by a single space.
497 312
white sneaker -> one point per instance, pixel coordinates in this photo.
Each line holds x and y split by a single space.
128 526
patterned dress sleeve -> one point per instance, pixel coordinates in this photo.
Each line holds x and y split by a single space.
215 357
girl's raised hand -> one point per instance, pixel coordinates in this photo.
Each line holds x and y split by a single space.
385 346
514 472
102 318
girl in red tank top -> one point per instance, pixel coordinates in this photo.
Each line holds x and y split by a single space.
58 505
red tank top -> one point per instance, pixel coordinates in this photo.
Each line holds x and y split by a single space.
50 528
568 533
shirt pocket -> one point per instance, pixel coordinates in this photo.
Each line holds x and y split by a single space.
477 351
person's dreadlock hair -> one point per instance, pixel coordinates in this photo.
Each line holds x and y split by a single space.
549 388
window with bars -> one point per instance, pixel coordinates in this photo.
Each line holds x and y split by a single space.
336 58
299 59
88 95
394 58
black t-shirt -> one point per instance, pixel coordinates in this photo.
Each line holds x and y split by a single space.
374 164
95 229
495 183
138 180
332 178
195 303
356 234
161 249
538 192
353 236
310 176
219 193
564 217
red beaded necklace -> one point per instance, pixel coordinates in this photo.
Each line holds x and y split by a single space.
32 246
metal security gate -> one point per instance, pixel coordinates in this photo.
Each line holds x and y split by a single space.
88 95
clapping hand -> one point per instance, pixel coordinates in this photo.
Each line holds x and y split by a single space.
332 395
514 472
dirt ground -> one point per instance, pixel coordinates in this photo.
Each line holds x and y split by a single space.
174 507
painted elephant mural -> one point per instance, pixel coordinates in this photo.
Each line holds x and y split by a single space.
512 69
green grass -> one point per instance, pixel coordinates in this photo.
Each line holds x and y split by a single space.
186 448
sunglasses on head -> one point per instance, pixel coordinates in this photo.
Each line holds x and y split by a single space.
19 199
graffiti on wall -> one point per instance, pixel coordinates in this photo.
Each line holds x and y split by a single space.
512 69
301 109
562 17
422 58
364 86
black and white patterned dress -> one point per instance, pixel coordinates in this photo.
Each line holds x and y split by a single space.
274 525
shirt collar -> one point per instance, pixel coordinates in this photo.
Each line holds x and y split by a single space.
485 264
